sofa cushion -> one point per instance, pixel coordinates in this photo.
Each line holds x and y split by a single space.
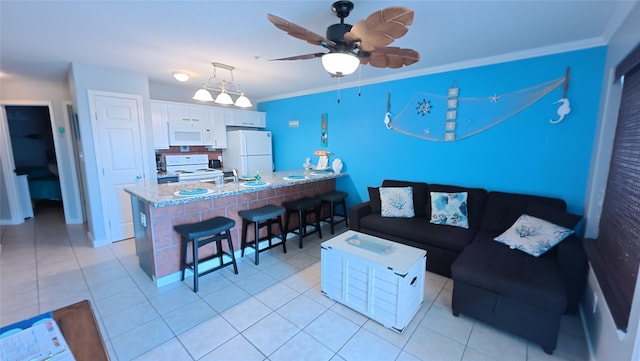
419 230
476 198
511 273
553 215
503 209
449 209
374 198
533 235
396 202
420 194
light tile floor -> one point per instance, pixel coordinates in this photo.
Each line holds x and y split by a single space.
273 311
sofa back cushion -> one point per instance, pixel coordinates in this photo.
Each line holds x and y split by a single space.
476 198
374 198
503 209
420 194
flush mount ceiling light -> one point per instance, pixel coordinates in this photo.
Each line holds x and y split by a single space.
180 76
222 86
340 64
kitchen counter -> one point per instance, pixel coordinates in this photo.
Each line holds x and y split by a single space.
160 195
157 208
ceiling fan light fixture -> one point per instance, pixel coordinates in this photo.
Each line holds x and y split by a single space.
203 95
243 101
340 64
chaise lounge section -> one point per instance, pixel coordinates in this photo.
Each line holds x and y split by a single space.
493 282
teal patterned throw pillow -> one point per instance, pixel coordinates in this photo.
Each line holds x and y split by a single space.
396 202
449 209
533 235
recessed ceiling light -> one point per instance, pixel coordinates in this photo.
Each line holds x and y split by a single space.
180 76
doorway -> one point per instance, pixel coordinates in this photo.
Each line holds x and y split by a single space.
34 156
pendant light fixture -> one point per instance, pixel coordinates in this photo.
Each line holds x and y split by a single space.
224 97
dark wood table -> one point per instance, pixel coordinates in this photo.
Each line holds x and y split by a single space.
80 329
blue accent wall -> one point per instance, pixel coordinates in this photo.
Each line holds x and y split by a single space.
523 154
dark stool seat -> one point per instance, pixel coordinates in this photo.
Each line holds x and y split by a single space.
334 199
263 216
200 234
303 207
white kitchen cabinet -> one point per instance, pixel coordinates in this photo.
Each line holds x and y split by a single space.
247 118
219 127
188 112
159 119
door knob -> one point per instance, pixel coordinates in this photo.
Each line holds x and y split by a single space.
138 177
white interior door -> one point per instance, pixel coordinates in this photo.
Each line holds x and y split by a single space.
119 154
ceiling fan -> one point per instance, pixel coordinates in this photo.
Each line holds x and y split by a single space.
363 43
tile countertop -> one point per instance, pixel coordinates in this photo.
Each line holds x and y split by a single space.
160 195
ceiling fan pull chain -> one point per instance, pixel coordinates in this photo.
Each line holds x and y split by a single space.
359 79
339 86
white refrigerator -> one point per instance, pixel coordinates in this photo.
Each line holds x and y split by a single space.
248 151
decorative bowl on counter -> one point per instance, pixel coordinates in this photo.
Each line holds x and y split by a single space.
295 177
191 192
255 183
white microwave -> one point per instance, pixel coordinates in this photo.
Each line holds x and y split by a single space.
190 133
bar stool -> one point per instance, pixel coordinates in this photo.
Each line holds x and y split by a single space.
263 216
303 207
200 234
334 199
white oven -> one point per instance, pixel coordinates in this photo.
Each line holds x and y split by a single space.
191 167
183 132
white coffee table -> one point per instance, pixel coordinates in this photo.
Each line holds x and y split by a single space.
381 279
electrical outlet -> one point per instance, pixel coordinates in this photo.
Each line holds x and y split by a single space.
595 303
143 219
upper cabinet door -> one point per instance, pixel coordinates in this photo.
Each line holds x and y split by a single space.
248 118
159 119
219 128
199 113
178 112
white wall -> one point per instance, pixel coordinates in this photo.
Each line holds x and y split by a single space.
606 342
24 91
82 78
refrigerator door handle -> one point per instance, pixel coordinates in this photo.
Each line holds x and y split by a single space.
245 165
243 149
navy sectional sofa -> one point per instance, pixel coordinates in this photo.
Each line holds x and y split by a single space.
506 288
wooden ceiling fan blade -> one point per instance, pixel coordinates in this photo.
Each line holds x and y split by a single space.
381 28
299 32
393 57
301 57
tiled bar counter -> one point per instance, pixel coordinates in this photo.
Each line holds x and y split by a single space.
156 209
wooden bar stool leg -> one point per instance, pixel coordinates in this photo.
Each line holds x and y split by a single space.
317 214
233 257
243 243
183 256
283 235
331 215
257 244
302 223
344 212
195 265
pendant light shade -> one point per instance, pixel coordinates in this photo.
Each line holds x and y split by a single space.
243 101
340 64
224 98
203 95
